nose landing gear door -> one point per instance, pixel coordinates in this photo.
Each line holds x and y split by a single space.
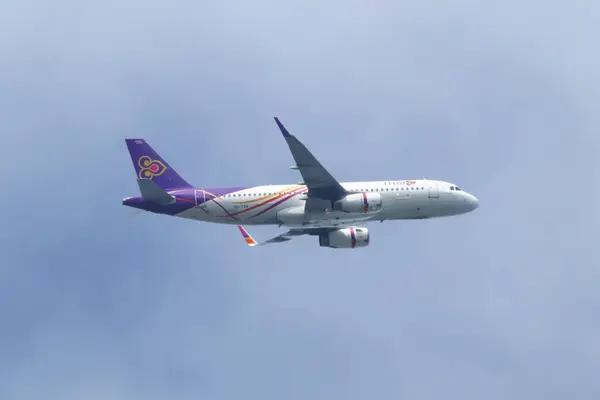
434 191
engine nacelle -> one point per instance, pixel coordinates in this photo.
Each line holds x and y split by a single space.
363 203
345 238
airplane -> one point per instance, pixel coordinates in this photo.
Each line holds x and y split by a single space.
320 205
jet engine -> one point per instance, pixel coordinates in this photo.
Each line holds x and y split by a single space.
364 203
346 238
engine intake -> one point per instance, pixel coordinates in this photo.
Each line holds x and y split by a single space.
345 238
359 203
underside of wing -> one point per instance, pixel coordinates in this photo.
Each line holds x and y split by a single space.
284 237
326 223
347 237
317 205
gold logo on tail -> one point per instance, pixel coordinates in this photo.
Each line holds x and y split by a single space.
150 168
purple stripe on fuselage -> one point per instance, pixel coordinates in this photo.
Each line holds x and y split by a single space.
302 190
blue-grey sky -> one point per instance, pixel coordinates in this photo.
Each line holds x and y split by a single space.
500 98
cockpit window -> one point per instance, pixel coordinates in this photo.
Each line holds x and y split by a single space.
451 187
457 188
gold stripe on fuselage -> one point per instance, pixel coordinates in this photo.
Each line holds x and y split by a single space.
289 189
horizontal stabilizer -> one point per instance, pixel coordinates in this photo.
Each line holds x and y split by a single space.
152 192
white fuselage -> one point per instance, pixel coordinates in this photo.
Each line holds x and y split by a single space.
284 204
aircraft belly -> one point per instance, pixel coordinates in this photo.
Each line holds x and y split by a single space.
194 213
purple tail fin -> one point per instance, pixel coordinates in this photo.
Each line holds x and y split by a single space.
149 165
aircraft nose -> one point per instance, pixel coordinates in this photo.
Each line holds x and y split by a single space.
473 202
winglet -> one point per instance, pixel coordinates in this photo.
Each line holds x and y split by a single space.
282 128
249 240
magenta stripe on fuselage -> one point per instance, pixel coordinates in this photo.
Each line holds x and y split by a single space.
304 189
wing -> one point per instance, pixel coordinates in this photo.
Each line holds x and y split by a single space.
320 183
284 237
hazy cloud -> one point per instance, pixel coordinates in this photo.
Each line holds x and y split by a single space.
499 98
